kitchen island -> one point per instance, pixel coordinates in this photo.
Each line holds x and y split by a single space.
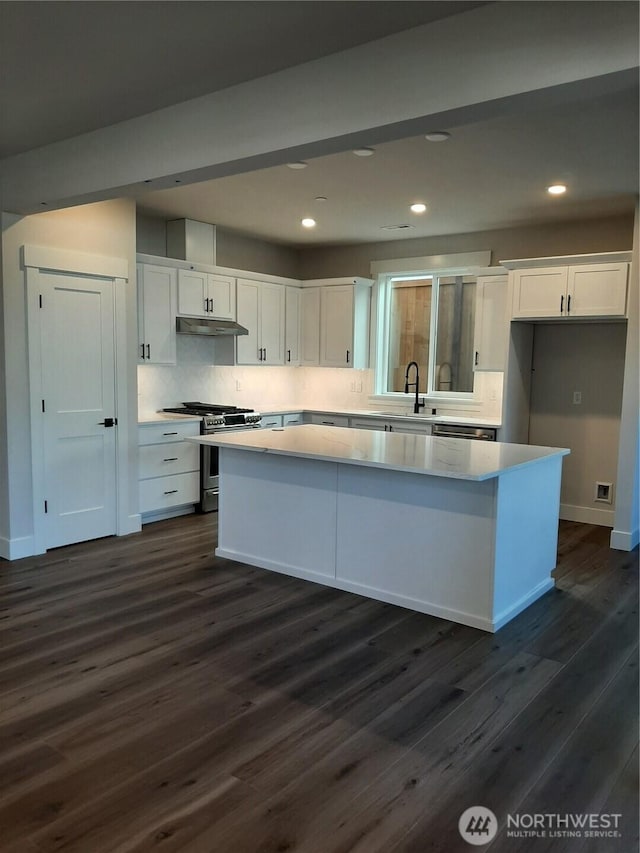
465 530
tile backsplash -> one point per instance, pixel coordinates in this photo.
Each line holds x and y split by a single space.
195 378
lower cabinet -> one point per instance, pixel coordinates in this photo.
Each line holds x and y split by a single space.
169 469
271 421
412 427
329 420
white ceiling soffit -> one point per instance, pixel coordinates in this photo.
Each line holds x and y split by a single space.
450 69
71 67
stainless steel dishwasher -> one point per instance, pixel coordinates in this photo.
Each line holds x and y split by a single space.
459 431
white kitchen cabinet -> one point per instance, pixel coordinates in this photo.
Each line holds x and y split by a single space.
261 309
271 421
292 419
292 325
574 291
329 420
344 325
408 426
169 468
202 294
156 314
310 326
491 323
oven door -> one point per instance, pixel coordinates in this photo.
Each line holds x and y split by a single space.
209 478
209 470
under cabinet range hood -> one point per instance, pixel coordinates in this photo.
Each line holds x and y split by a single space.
197 326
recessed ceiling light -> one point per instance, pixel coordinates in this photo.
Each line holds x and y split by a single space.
363 152
437 136
307 222
556 189
321 198
418 207
299 164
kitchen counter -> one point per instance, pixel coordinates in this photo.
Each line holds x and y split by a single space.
161 417
416 454
463 530
388 415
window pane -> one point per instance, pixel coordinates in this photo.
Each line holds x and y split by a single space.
409 325
454 337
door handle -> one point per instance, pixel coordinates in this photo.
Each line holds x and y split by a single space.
108 422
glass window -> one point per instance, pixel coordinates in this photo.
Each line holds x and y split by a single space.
428 318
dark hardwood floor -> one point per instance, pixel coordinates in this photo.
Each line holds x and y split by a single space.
157 698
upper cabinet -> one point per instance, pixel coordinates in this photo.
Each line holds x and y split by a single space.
261 309
310 325
565 291
344 309
202 294
157 306
491 323
292 325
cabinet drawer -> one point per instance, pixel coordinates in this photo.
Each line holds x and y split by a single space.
166 492
330 420
167 431
271 421
175 457
292 419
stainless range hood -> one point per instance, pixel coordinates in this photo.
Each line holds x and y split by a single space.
198 326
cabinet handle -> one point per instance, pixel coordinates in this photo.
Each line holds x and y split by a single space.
206 306
265 354
561 303
148 350
260 354
169 433
142 350
475 361
171 492
171 459
211 305
347 356
288 355
569 304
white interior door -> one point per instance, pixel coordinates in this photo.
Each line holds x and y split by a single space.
78 389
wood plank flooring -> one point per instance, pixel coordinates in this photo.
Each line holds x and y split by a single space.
155 698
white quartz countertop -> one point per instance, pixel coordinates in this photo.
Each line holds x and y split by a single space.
418 454
463 420
163 417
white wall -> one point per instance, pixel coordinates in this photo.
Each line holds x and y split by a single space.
107 228
626 532
589 358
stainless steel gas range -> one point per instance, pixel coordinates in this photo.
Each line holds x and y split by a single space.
215 419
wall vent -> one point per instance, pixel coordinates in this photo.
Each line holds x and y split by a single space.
603 492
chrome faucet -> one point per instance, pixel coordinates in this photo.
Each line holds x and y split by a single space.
417 405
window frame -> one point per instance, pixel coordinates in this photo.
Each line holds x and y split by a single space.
383 289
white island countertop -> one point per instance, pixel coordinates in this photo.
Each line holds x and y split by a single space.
417 454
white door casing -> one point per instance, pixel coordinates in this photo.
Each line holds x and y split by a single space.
78 387
88 270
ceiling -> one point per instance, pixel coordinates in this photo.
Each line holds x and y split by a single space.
70 67
491 174
101 63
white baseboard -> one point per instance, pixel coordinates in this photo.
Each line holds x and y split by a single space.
587 515
16 549
163 514
624 540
